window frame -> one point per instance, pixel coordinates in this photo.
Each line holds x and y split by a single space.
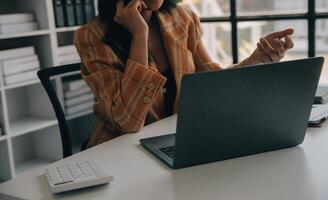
310 16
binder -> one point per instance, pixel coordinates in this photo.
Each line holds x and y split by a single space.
79 12
69 12
89 9
59 13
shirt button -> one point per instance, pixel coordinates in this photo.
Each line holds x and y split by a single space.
146 100
151 86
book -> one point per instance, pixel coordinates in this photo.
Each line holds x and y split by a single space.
321 96
79 12
69 49
17 53
18 27
78 92
319 114
21 77
16 18
59 13
11 70
67 62
69 59
18 61
89 9
78 100
12 66
69 12
74 85
79 108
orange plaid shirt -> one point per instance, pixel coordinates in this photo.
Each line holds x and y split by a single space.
129 99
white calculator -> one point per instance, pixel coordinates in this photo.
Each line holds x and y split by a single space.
62 178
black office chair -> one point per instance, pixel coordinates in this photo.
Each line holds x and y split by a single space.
45 76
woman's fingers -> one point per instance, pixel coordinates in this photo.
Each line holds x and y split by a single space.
264 58
119 6
278 45
137 5
129 16
134 4
143 5
280 34
269 50
288 42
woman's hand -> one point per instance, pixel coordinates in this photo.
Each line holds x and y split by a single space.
271 48
130 18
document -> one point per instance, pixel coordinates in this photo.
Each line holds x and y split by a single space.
318 113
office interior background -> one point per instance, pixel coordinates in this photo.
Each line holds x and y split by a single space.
29 135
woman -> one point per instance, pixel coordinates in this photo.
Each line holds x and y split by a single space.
134 56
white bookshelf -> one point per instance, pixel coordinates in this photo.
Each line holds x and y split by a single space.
30 129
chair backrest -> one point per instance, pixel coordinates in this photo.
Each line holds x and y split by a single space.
45 78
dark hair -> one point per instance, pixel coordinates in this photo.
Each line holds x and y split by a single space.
116 36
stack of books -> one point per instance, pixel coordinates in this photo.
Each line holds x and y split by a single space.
68 55
319 113
77 97
73 12
17 23
19 65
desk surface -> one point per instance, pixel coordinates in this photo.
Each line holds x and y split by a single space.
298 173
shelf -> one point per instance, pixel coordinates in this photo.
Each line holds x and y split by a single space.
81 114
30 124
31 164
23 84
5 163
32 137
67 29
25 34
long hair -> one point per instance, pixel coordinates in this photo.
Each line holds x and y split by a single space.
116 36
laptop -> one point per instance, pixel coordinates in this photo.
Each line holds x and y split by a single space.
237 112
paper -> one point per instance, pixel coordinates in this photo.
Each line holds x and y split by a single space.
318 112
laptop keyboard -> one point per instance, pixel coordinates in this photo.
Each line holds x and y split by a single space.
169 151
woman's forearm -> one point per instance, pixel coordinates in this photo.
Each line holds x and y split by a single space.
139 48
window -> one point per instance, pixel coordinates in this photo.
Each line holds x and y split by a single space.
236 26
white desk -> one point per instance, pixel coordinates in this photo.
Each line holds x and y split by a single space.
299 173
